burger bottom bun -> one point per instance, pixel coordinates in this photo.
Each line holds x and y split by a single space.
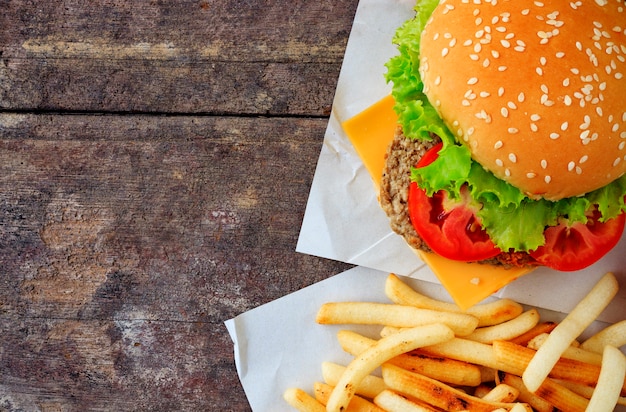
402 154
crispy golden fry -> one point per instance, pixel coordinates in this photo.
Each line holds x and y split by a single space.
435 393
370 313
501 393
515 359
610 382
585 312
585 391
482 390
561 397
465 350
488 313
614 335
569 353
538 404
506 330
383 350
369 387
543 327
357 404
447 370
302 401
392 401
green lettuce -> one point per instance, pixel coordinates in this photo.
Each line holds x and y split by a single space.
512 220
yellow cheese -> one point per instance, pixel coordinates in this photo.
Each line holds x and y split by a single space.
370 132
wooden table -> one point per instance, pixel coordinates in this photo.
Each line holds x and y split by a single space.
155 163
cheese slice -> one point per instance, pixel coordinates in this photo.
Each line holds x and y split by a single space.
370 132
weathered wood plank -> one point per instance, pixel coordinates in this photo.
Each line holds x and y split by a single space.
126 208
116 365
173 57
126 241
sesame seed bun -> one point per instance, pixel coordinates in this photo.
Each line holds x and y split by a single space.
535 90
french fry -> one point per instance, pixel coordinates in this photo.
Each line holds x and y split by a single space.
610 382
442 368
562 398
585 391
392 401
487 314
585 312
369 387
357 404
371 313
515 359
569 353
501 393
465 350
543 327
537 403
614 335
506 330
383 350
434 392
302 401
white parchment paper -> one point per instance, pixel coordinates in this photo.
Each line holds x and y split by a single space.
279 345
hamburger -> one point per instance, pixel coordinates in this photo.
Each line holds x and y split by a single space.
511 143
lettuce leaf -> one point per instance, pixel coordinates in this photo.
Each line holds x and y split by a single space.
512 220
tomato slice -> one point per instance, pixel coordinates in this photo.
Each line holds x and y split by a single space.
575 246
449 227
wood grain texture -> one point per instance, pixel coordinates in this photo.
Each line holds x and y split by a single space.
155 163
232 57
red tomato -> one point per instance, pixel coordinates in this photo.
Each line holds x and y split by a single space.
574 247
450 228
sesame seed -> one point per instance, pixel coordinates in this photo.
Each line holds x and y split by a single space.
535 117
521 97
444 52
472 80
513 130
566 82
437 80
616 161
507 172
584 135
531 175
505 112
501 93
554 136
564 126
495 54
465 103
533 127
502 68
560 55
539 71
511 105
544 164
485 94
499 162
571 166
547 179
567 100
499 144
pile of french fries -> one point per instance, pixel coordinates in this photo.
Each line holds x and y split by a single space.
493 357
